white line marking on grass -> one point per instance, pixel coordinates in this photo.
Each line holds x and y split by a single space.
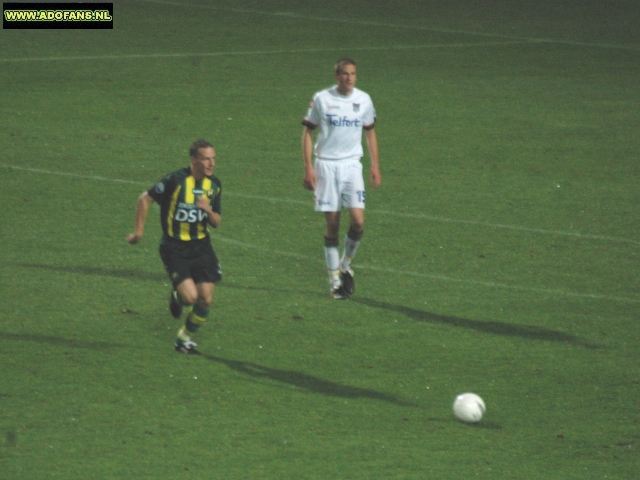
503 285
386 270
444 278
509 227
507 39
136 56
352 21
75 175
585 236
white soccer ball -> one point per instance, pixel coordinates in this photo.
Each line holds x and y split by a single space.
469 407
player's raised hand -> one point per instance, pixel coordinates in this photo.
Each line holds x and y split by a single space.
202 202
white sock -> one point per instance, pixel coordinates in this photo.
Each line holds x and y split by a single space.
350 248
334 278
332 253
345 263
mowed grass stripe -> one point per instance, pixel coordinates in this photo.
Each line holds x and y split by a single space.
150 56
417 216
443 278
369 23
380 269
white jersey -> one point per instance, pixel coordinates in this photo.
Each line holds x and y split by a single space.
341 120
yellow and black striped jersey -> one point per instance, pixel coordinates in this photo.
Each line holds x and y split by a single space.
176 194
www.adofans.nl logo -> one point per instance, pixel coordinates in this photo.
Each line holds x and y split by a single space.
58 15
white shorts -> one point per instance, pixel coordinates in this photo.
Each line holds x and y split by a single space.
339 184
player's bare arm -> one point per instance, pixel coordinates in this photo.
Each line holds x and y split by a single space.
309 181
372 145
214 218
142 209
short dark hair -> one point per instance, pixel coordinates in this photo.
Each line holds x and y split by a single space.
197 145
341 63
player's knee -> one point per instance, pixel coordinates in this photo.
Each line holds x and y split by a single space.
204 302
331 233
188 297
332 230
357 226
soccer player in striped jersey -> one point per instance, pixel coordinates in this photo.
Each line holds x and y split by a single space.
189 201
340 114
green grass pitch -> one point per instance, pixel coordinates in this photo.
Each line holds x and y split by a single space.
501 254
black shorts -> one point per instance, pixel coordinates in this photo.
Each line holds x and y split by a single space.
194 259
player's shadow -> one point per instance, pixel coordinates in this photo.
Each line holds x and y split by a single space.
270 289
99 271
496 328
306 382
59 341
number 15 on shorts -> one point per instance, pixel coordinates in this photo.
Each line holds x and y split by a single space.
361 195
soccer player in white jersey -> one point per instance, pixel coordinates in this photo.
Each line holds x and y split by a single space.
340 113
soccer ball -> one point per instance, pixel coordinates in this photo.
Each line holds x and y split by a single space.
469 407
